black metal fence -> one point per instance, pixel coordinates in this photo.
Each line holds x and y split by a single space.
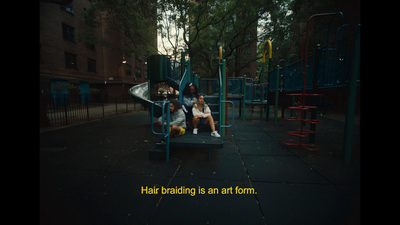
66 108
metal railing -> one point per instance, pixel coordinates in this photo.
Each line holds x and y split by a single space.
65 109
165 131
233 114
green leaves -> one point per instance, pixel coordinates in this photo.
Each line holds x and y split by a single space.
138 18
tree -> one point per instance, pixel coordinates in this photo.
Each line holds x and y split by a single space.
276 26
137 18
303 9
208 24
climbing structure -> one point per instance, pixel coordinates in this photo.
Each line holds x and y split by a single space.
302 133
303 108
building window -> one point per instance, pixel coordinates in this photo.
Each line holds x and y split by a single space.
128 69
138 72
70 61
67 8
91 65
68 32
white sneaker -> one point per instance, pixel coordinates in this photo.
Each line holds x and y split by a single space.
215 134
195 130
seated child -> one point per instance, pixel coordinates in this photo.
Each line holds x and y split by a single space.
190 94
177 122
202 114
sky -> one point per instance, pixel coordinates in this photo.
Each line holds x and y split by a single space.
163 43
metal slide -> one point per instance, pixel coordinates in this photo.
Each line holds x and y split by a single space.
141 93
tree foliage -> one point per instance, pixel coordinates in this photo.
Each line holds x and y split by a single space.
208 24
138 18
199 27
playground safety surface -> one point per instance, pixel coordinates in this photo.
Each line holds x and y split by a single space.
98 172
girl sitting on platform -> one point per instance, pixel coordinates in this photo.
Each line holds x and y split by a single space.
177 122
202 115
190 95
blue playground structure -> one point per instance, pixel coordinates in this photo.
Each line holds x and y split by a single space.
334 64
177 75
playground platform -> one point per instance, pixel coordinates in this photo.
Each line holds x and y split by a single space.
95 173
190 141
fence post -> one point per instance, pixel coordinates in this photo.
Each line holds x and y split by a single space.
116 107
65 108
126 101
87 107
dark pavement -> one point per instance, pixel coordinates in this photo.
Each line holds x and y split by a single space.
93 173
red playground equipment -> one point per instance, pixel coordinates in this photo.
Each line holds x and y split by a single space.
301 132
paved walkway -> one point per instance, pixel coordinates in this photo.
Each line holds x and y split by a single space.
97 173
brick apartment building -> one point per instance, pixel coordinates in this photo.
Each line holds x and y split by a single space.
66 59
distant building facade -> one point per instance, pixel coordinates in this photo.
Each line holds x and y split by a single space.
67 59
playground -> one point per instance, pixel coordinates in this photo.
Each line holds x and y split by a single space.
332 66
98 179
284 156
